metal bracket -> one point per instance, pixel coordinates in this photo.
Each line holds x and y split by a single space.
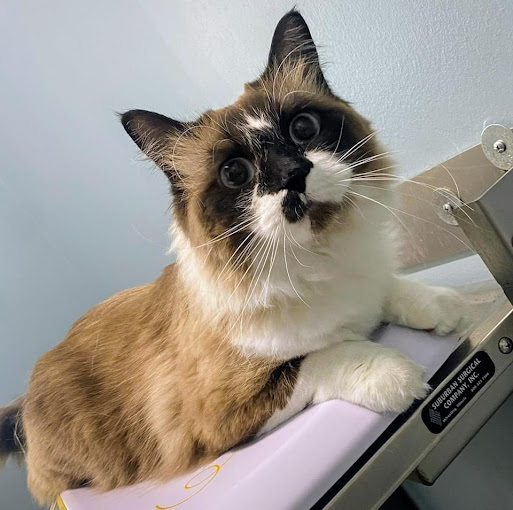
425 215
428 201
497 143
488 224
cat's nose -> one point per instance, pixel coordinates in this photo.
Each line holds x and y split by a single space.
285 168
296 177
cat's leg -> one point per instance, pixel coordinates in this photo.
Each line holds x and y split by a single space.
45 480
417 305
362 372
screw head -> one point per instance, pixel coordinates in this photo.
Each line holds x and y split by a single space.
505 345
447 207
499 146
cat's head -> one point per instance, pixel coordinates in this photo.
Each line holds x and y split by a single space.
275 166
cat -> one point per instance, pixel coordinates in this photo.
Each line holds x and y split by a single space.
285 264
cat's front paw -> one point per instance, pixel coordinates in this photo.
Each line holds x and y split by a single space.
392 383
443 311
420 306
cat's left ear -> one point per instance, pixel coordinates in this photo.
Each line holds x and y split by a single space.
293 42
154 134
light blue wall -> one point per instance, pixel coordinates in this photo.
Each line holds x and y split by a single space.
81 217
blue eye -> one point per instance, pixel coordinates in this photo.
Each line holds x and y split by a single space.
236 173
304 127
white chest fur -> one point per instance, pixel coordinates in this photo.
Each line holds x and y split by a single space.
342 290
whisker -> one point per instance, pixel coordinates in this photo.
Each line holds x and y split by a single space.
391 177
216 144
292 249
259 269
365 161
354 204
244 255
229 232
414 216
233 255
282 101
273 259
288 273
254 280
357 145
390 209
339 138
453 180
260 243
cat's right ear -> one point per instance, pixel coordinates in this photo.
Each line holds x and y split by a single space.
154 134
293 42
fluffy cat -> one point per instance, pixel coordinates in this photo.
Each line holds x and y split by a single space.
285 263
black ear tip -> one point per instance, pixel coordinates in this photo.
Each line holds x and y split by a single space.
291 27
294 12
293 17
135 121
143 126
126 118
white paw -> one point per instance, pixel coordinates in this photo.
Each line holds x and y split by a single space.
390 382
437 309
443 311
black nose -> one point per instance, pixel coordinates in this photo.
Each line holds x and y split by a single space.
285 168
296 178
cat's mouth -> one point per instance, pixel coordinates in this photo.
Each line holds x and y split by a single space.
292 212
294 206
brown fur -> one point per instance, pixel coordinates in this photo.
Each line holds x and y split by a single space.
138 391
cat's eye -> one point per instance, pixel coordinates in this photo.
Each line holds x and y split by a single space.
304 127
236 172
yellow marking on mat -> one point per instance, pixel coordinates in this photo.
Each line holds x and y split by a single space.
204 482
60 504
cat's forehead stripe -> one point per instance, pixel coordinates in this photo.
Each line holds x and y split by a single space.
258 123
